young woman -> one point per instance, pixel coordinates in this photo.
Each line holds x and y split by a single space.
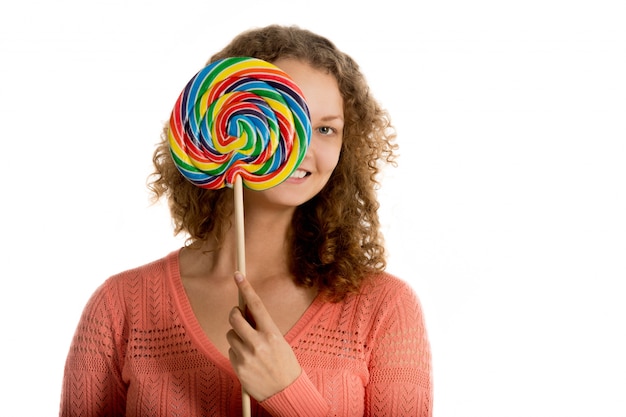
326 332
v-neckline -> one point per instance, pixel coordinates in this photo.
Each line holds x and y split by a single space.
194 329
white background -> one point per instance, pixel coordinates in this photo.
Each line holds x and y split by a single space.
507 213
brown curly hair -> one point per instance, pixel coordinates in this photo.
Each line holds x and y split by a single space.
335 240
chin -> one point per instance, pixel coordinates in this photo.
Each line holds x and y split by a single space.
278 197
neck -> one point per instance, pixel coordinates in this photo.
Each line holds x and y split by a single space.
266 247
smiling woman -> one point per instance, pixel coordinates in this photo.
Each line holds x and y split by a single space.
326 107
505 213
325 332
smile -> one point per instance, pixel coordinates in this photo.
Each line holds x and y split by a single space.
300 173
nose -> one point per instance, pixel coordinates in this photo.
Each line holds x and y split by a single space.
311 149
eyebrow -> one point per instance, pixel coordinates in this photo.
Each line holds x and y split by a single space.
331 118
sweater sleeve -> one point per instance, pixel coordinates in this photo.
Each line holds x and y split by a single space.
400 364
92 380
301 398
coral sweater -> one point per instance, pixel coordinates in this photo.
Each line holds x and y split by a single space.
139 350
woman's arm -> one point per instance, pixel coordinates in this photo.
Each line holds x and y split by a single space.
92 381
400 365
266 365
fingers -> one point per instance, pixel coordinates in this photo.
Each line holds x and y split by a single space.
261 357
236 345
241 331
246 324
255 311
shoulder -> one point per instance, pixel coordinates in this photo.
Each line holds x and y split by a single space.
135 285
387 297
396 313
386 286
154 270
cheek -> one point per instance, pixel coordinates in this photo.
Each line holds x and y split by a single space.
331 156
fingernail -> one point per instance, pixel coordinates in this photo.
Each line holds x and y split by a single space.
238 277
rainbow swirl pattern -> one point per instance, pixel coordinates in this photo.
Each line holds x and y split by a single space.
239 116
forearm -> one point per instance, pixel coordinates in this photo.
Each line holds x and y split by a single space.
301 398
399 392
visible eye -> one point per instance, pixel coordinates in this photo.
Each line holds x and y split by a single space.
326 130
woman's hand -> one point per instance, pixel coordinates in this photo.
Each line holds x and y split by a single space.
261 357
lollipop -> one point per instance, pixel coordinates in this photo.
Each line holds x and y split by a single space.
239 121
242 117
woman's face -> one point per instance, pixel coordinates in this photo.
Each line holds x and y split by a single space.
325 103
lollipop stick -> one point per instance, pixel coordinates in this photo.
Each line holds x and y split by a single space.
241 267
241 245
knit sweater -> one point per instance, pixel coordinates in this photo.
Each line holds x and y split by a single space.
139 350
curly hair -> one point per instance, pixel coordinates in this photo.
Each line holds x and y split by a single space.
335 240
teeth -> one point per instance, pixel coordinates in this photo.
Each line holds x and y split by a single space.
298 173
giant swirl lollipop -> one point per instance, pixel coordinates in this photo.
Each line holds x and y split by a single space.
239 117
239 121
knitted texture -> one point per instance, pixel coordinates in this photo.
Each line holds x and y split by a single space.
139 350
